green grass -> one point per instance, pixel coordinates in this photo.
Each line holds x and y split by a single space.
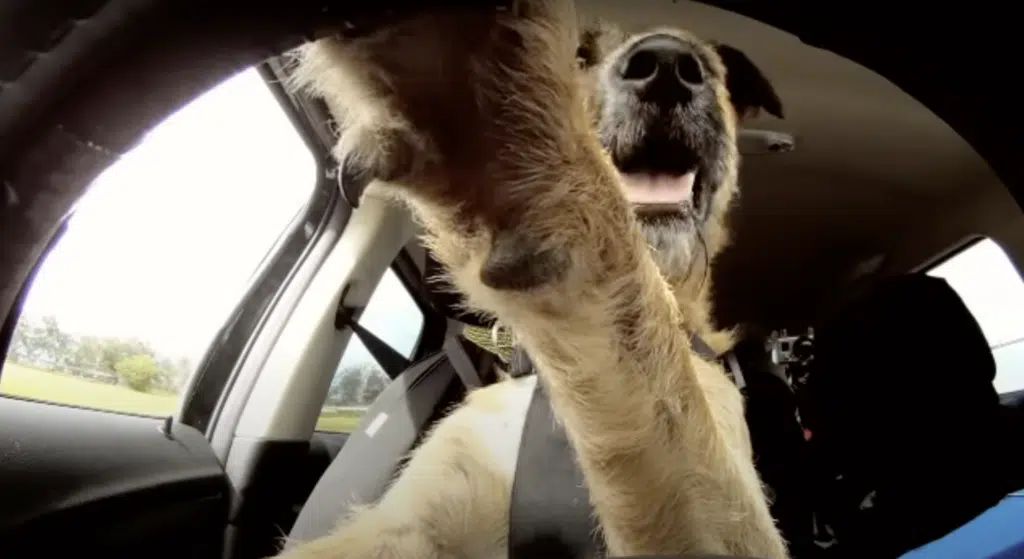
341 421
58 388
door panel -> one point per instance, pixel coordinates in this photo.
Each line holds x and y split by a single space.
107 484
1013 400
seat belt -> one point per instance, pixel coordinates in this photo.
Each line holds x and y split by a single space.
387 357
550 514
459 358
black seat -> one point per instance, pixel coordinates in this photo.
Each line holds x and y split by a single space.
903 407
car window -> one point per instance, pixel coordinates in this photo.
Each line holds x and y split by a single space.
392 315
160 249
989 284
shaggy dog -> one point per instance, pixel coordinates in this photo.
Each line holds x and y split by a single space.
575 186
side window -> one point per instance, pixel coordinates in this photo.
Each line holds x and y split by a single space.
392 315
989 284
159 250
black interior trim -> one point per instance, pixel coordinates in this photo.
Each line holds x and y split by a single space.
11 320
266 502
123 488
904 47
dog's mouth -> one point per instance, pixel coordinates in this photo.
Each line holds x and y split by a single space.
662 178
661 193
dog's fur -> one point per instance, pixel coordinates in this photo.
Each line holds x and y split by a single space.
484 123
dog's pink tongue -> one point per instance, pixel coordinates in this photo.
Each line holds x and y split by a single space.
644 189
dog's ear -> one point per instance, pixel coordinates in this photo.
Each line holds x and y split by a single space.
749 89
597 38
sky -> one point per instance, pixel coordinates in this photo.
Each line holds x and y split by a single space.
165 241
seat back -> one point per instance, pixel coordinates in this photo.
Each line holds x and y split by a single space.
374 453
780 451
903 407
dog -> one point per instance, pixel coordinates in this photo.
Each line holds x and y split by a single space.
574 180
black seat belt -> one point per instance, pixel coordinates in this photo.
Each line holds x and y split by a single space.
550 514
460 359
387 357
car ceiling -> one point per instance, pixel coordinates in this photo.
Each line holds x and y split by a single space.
875 176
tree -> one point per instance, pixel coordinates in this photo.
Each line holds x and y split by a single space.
58 343
88 353
43 345
375 383
115 350
347 390
26 346
139 372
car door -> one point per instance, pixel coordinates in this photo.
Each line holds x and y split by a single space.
132 324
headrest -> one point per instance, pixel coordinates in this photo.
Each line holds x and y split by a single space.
910 352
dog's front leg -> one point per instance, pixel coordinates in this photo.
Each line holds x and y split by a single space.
477 121
450 501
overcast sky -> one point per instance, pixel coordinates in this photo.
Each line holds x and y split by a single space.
165 241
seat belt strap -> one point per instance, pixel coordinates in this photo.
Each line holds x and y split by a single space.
472 374
550 513
461 362
732 365
387 357
701 348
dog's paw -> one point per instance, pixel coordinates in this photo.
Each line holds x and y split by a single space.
372 151
468 111
436 80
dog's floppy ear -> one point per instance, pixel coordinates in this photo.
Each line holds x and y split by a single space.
749 89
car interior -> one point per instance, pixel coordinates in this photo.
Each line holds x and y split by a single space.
885 419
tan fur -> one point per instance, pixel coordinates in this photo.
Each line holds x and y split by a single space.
493 146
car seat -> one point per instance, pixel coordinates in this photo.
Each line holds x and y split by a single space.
903 406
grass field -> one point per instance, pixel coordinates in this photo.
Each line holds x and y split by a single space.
343 421
36 384
59 388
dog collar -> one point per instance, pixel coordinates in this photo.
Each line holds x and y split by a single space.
500 341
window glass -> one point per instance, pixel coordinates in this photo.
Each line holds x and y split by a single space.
392 315
160 249
991 287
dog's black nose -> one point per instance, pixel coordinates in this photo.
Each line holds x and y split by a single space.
664 69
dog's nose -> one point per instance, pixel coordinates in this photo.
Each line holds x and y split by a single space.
663 68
